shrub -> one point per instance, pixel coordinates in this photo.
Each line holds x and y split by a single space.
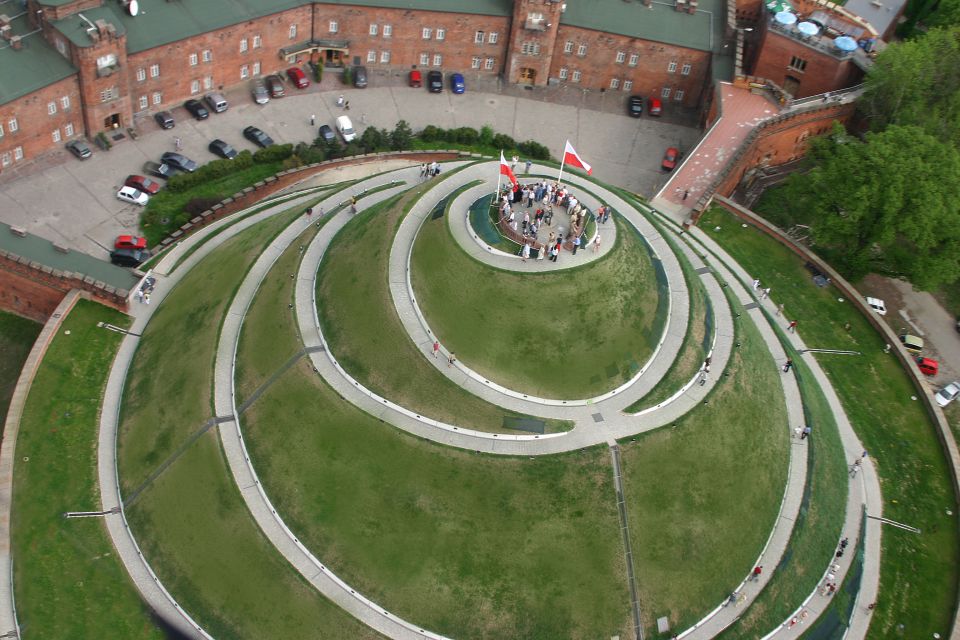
374 139
464 135
503 141
318 71
486 135
347 76
431 132
402 136
276 153
534 150
196 206
310 154
292 162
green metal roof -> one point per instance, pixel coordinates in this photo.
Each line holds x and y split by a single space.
37 249
75 29
659 22
35 66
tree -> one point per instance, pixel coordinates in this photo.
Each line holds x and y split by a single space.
401 138
889 204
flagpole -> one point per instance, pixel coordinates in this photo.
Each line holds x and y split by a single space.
496 195
562 160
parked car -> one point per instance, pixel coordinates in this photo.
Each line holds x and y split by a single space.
912 343
928 366
416 78
129 257
164 119
259 91
133 196
635 106
148 186
435 81
196 109
216 102
298 77
275 86
654 107
326 133
130 242
360 77
257 137
877 305
670 157
948 394
79 148
345 127
222 149
158 170
457 85
178 161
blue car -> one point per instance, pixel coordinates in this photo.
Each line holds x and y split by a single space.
456 83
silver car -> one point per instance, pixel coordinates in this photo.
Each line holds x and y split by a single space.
948 394
259 91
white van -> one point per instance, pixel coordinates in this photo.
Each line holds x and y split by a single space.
345 127
877 305
216 102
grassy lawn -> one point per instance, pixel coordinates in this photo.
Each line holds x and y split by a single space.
363 330
17 336
569 334
918 573
467 545
703 494
67 578
168 391
194 528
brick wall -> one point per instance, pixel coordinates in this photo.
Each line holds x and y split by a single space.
35 125
822 72
25 297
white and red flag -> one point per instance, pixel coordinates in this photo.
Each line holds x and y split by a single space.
506 171
570 156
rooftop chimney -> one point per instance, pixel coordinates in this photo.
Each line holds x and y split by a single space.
16 43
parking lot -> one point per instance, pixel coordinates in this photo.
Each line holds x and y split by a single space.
74 202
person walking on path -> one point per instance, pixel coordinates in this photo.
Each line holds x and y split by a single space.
806 432
792 327
340 100
451 359
513 163
779 309
765 293
541 251
757 570
529 165
423 170
686 194
436 348
346 105
178 143
596 243
756 283
854 468
313 119
787 365
309 212
554 252
525 252
576 244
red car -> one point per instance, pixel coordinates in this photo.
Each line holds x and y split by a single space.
928 366
416 79
298 77
654 108
670 159
146 185
130 242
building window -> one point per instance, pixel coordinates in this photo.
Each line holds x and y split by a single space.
576 76
51 107
478 37
68 129
144 103
195 87
141 74
108 94
568 47
488 64
634 58
441 34
293 32
797 64
5 159
530 48
493 37
13 125
18 153
475 62
387 30
61 47
157 98
685 70
244 72
424 59
564 73
678 96
627 85
56 135
207 55
373 29
65 102
615 83
665 93
256 68
426 33
621 56
193 60
672 67
384 57
582 50
243 45
333 27
208 83
371 56
437 60
257 42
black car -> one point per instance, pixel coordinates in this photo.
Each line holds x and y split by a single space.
360 77
196 108
129 257
79 148
257 137
178 161
635 106
326 132
435 81
222 149
158 170
164 119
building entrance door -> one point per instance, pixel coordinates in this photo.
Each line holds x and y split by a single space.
791 85
527 75
333 58
112 122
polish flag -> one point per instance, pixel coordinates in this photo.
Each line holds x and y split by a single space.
570 156
505 170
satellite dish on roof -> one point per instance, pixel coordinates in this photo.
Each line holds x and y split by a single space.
132 6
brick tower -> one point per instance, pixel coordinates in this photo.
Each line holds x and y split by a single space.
533 35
